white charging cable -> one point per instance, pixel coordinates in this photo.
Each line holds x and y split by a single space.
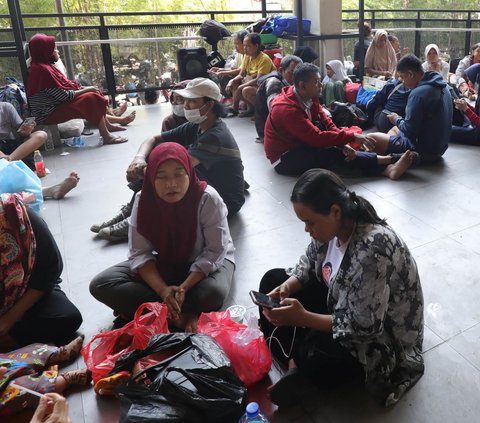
271 337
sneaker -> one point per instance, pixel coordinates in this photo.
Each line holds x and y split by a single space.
125 212
116 232
259 140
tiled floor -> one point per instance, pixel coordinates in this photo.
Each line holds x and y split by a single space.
436 210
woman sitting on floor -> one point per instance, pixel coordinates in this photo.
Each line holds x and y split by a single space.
55 99
353 304
255 64
33 308
469 134
334 82
434 63
381 59
181 252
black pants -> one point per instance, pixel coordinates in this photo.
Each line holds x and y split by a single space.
317 355
295 162
53 318
9 146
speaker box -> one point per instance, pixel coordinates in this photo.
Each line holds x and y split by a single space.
192 63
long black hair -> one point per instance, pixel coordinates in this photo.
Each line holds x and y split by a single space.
320 189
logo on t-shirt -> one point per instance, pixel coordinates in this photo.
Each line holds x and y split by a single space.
327 272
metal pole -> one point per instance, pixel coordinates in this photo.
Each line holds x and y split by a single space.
299 13
108 62
66 51
468 34
418 24
361 38
20 37
264 8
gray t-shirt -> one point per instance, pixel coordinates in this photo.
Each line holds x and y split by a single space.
9 121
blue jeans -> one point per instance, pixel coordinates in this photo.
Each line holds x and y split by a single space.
465 135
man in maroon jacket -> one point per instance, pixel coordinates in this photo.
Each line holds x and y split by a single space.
300 136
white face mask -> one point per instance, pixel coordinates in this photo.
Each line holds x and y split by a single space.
178 110
194 115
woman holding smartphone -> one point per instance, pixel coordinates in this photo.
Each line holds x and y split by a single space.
352 305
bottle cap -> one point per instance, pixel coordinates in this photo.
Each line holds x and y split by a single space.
252 409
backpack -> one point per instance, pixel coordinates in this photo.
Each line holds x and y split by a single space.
14 93
214 31
347 115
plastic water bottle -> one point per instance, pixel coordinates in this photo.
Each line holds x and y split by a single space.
81 142
253 415
39 164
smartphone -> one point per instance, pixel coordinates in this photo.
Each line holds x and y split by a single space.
27 121
264 300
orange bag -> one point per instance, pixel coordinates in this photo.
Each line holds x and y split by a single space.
103 350
244 345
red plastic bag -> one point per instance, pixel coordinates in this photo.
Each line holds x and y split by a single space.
103 350
244 345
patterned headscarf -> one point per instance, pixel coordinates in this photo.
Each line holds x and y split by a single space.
17 250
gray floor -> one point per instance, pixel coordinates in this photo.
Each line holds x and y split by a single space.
436 210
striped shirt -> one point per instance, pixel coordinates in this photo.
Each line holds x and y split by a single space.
46 101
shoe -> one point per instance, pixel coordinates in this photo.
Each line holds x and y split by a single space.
231 112
259 140
116 232
125 212
291 388
246 113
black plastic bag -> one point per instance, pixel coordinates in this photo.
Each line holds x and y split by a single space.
194 384
214 31
347 115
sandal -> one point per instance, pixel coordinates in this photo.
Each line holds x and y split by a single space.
115 140
80 377
246 113
106 385
415 158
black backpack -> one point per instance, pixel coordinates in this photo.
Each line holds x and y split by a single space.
347 115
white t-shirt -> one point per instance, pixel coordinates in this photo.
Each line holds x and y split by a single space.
9 121
333 259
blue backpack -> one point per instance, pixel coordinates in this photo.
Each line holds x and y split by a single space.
14 93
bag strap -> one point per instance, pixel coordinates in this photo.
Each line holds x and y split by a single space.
397 87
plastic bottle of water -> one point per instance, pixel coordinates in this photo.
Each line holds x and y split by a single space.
253 415
39 164
83 142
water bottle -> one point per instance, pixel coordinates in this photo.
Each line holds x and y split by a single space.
253 415
81 142
39 164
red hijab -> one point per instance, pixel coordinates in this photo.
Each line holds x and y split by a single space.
170 227
43 74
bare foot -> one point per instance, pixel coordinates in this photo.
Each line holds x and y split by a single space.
119 111
128 119
114 128
60 190
395 171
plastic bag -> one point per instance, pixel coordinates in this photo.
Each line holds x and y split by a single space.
244 344
18 177
104 349
193 384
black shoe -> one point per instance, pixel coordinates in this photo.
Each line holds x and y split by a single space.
125 212
116 232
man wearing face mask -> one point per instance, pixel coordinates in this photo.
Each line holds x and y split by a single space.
212 148
177 117
211 145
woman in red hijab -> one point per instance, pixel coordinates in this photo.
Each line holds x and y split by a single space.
180 249
55 99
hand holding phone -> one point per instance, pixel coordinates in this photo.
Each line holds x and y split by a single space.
264 300
27 126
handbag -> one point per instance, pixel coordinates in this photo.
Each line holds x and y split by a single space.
17 177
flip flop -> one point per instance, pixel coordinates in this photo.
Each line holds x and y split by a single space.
116 140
